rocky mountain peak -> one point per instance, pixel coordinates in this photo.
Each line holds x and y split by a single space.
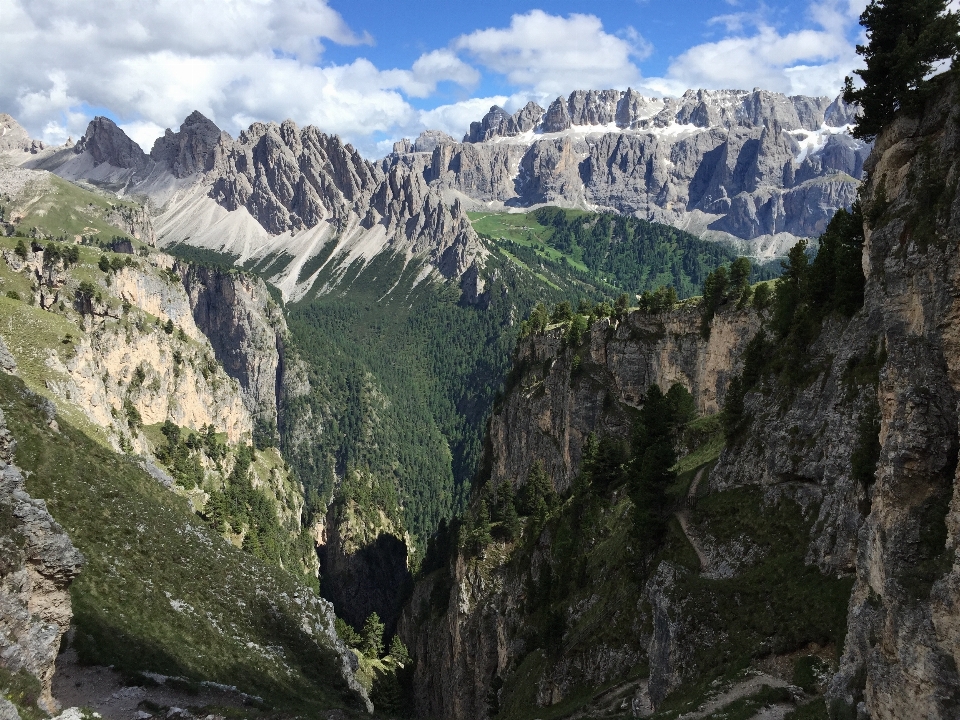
497 122
192 149
13 136
107 143
556 118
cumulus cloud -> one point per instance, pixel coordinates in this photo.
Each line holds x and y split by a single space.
755 53
552 54
151 64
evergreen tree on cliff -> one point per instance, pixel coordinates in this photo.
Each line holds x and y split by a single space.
907 38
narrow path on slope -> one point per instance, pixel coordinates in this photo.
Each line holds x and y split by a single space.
743 689
683 517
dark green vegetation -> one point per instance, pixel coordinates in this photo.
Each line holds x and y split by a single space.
805 295
160 591
598 546
609 250
906 39
402 376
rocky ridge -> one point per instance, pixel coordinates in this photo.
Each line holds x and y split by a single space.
306 197
750 166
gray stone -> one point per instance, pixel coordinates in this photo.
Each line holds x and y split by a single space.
106 143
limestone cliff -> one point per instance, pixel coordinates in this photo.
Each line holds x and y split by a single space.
850 453
37 564
246 330
471 625
549 414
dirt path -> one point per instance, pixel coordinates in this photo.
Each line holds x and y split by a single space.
741 690
103 690
692 492
683 516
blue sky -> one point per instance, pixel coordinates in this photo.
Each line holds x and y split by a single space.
374 71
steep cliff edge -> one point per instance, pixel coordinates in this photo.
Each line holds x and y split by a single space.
37 567
819 532
534 621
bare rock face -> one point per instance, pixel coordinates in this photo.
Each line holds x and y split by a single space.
13 137
107 143
192 149
246 330
37 564
496 123
752 165
363 566
593 107
556 119
417 220
547 417
291 179
903 642
528 117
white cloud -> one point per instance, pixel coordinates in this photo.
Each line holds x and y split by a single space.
554 55
151 64
811 61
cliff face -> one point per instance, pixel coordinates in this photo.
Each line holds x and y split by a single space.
37 564
852 455
549 415
246 330
896 532
473 626
757 166
363 565
903 647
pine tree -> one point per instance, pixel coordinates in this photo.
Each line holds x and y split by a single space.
372 636
481 528
398 651
906 39
510 519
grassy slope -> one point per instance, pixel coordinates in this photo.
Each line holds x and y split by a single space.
524 229
161 592
57 207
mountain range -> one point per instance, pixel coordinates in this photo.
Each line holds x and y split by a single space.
755 169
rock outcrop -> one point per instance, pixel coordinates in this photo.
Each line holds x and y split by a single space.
548 417
246 330
106 143
469 624
746 165
363 565
192 149
14 138
37 564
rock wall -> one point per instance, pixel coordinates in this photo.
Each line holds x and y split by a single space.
245 328
748 165
895 532
37 564
467 625
548 415
903 647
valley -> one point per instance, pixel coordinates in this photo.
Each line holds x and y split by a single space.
622 407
